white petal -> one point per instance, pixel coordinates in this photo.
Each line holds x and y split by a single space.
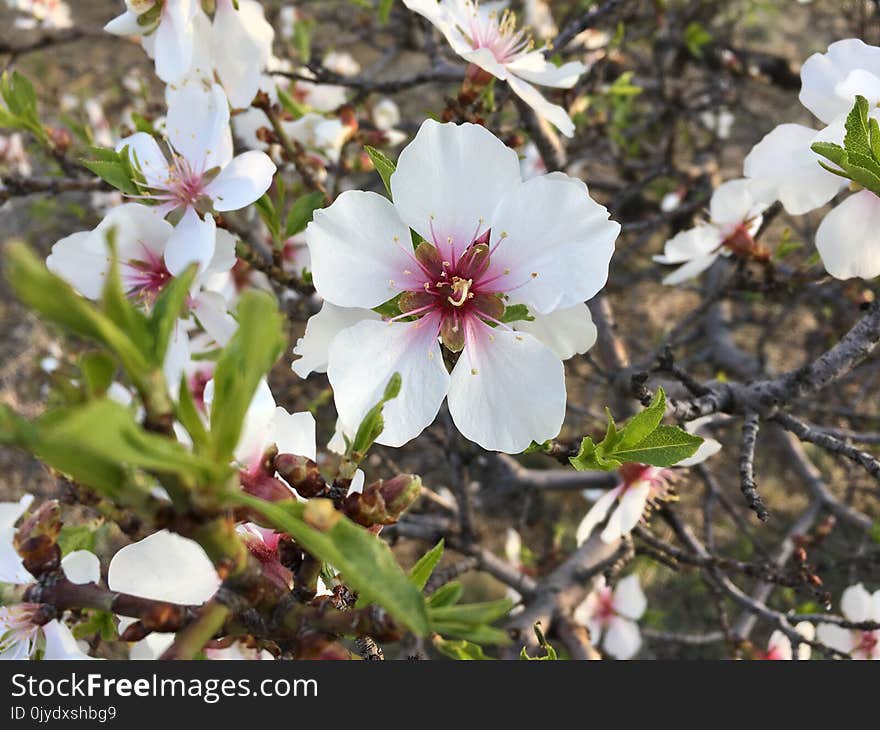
193 240
848 238
198 126
622 639
81 260
823 74
177 358
125 24
629 599
145 153
732 203
836 637
164 567
174 40
242 181
857 604
210 310
553 113
257 426
507 389
693 243
439 16
365 356
82 566
598 512
452 176
708 448
554 244
513 546
567 332
151 647
779 646
246 31
783 167
632 505
534 67
60 643
10 512
294 433
355 260
692 268
321 328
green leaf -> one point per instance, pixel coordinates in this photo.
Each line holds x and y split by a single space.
373 424
56 300
301 212
119 308
642 424
486 635
857 139
383 165
168 308
98 369
516 313
696 37
549 651
422 570
830 151
302 39
21 112
188 415
461 650
666 446
114 168
247 358
366 563
291 105
471 613
591 457
76 537
99 622
446 595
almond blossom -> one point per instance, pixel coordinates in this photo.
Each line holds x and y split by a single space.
779 646
734 219
141 244
54 14
611 616
858 606
489 39
490 240
200 176
783 166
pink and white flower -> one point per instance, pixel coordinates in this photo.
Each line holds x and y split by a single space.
734 218
168 27
856 605
201 175
783 167
624 505
488 38
611 616
53 14
142 239
489 239
779 646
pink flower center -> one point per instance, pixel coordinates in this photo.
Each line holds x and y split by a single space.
605 606
17 626
866 644
498 33
455 292
146 277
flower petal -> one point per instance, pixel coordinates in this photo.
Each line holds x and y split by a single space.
535 67
783 167
365 356
247 31
193 240
145 153
629 598
823 76
622 639
732 203
359 250
452 176
294 433
507 389
60 643
848 238
692 268
696 242
553 113
567 332
836 637
198 126
554 244
242 181
321 328
174 40
856 603
164 567
598 512
628 514
81 566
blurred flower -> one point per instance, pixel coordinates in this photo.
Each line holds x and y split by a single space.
734 218
49 14
779 645
611 616
13 155
488 38
856 605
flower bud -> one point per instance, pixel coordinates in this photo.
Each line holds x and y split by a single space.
37 539
301 473
382 502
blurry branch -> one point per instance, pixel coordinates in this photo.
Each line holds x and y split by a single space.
322 75
15 186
